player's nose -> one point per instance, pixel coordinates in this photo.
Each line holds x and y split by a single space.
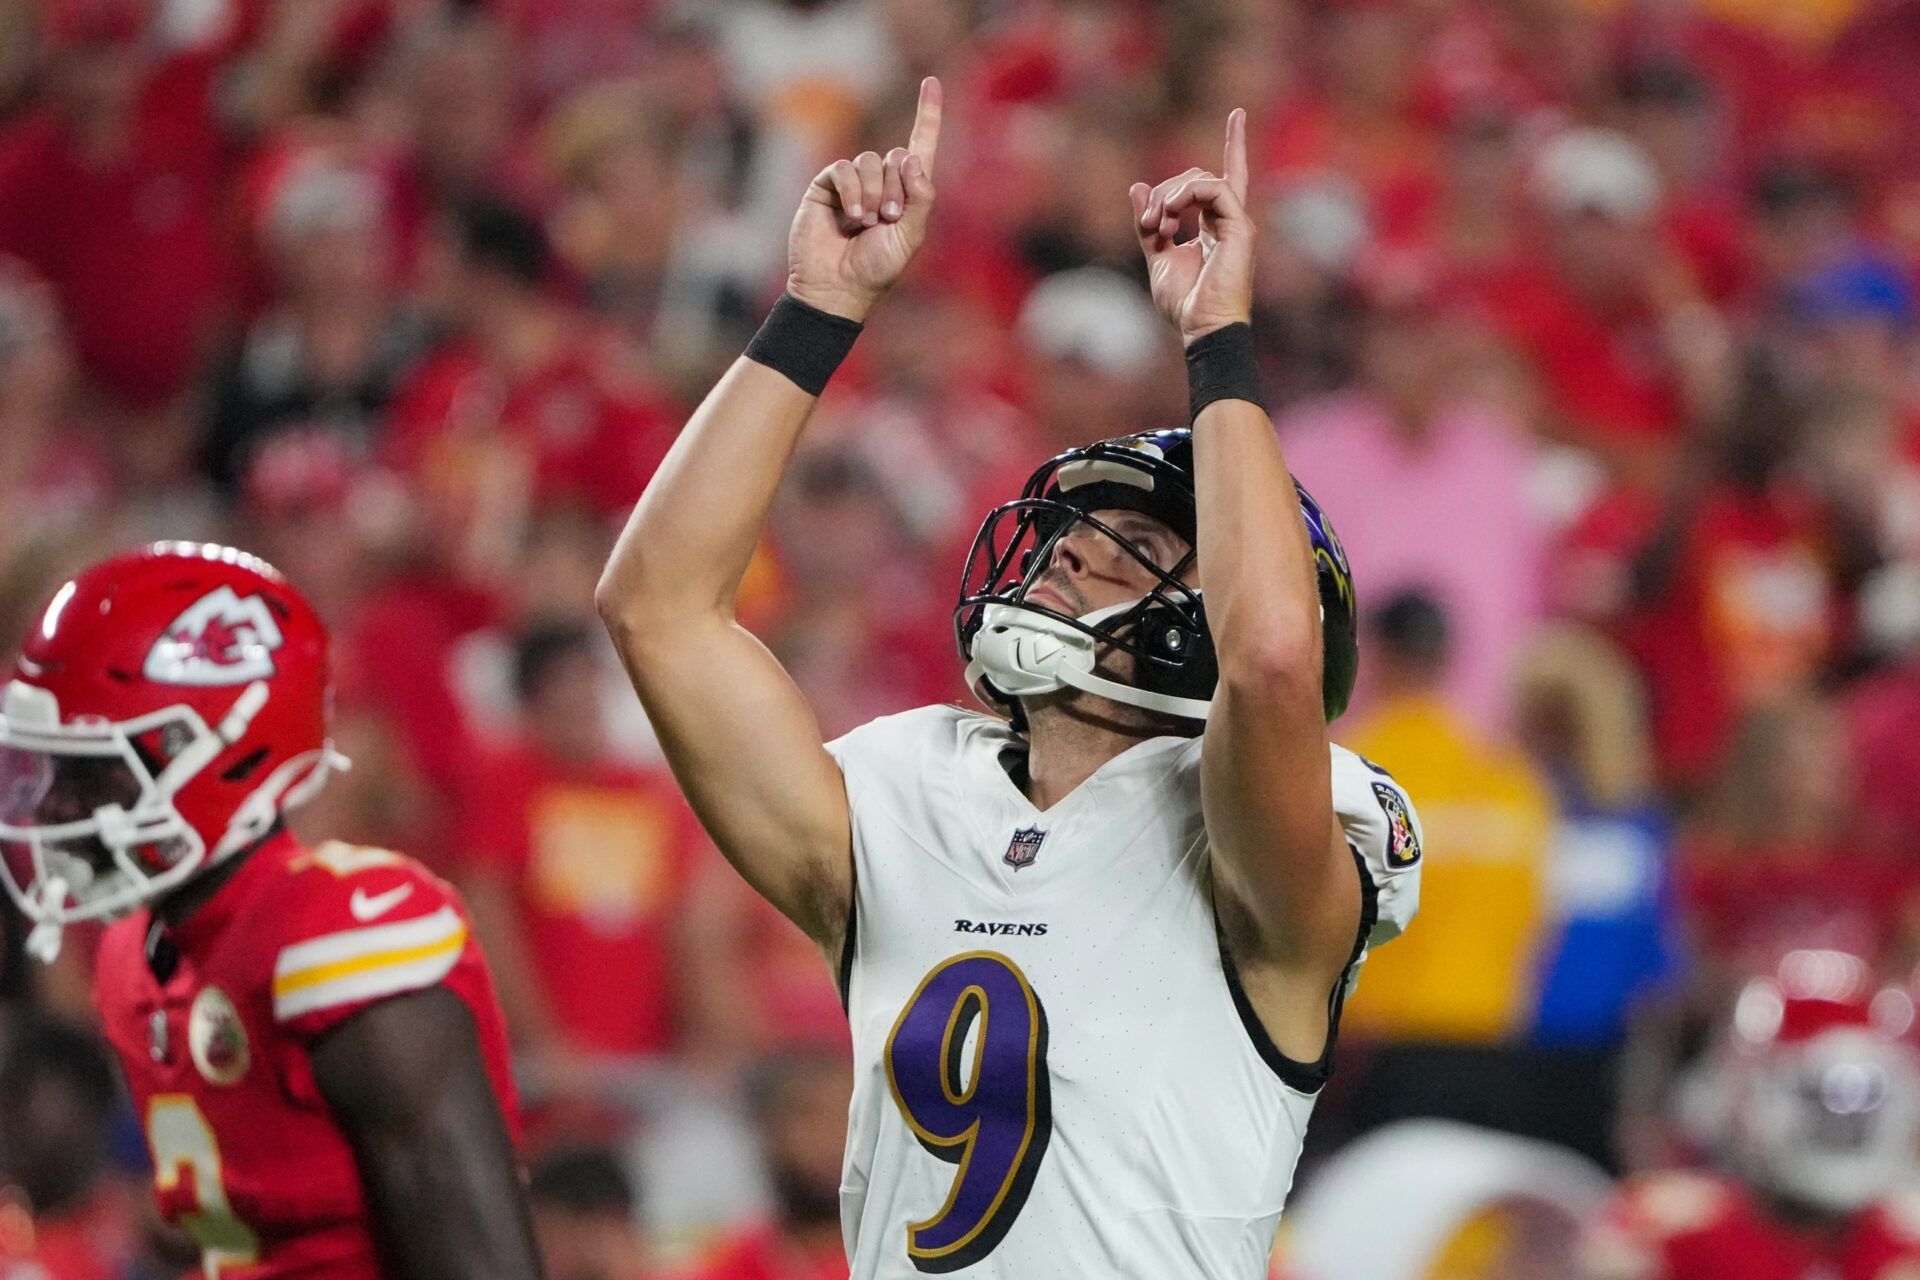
1069 556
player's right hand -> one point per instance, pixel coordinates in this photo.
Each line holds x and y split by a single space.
863 219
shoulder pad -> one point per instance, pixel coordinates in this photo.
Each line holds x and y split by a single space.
360 924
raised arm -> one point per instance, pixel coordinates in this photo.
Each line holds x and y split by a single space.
1288 892
742 741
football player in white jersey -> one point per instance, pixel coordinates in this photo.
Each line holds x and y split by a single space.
1093 947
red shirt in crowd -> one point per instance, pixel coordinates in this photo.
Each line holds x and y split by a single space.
133 244
395 655
1699 1226
598 856
1751 607
767 1255
587 441
1751 905
95 1240
1605 375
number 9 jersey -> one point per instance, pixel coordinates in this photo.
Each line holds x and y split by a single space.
212 1022
1057 1073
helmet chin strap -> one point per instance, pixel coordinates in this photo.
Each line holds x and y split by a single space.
1025 654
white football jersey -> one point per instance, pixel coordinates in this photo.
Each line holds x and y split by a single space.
1055 1072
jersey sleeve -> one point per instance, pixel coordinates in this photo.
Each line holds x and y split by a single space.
893 749
360 926
1379 819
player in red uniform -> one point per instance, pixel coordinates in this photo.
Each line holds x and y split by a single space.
1817 1094
310 1035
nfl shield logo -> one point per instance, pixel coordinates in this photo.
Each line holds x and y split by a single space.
1024 847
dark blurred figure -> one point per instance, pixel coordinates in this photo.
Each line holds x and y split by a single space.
1098 151
1673 111
619 149
586 1216
800 1101
574 866
456 77
57 1107
327 358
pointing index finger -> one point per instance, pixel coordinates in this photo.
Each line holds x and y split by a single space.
1233 166
925 139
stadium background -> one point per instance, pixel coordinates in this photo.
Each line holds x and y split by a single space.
1591 324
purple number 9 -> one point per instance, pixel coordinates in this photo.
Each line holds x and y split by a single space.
992 1120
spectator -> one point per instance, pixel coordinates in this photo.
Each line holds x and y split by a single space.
574 867
1672 112
327 358
1778 859
620 151
1882 714
585 1216
869 628
1441 1022
1732 590
112 189
1609 877
452 80
1458 524
1609 942
1096 357
55 475
799 1103
520 411
1610 314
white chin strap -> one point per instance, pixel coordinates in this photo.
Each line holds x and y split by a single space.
1025 653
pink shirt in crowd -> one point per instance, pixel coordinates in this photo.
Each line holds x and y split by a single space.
1447 514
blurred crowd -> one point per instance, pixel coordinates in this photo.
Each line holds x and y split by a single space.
1591 323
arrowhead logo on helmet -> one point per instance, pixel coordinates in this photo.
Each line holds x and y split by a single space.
222 638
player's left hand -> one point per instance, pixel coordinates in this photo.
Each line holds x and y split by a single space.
1205 283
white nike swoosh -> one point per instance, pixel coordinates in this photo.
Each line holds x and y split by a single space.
365 908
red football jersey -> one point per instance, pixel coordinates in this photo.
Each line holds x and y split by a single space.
247 1157
1697 1226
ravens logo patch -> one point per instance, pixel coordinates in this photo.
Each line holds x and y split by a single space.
1403 842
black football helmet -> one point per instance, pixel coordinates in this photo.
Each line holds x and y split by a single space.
1015 647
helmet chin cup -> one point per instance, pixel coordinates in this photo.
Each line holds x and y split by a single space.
1023 653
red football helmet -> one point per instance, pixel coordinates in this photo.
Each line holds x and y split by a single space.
169 704
1821 1082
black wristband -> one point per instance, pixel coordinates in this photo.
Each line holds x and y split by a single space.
1222 366
803 342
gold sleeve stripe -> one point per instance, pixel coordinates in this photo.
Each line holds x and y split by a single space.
352 944
285 984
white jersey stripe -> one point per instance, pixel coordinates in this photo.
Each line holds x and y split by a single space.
353 944
371 984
